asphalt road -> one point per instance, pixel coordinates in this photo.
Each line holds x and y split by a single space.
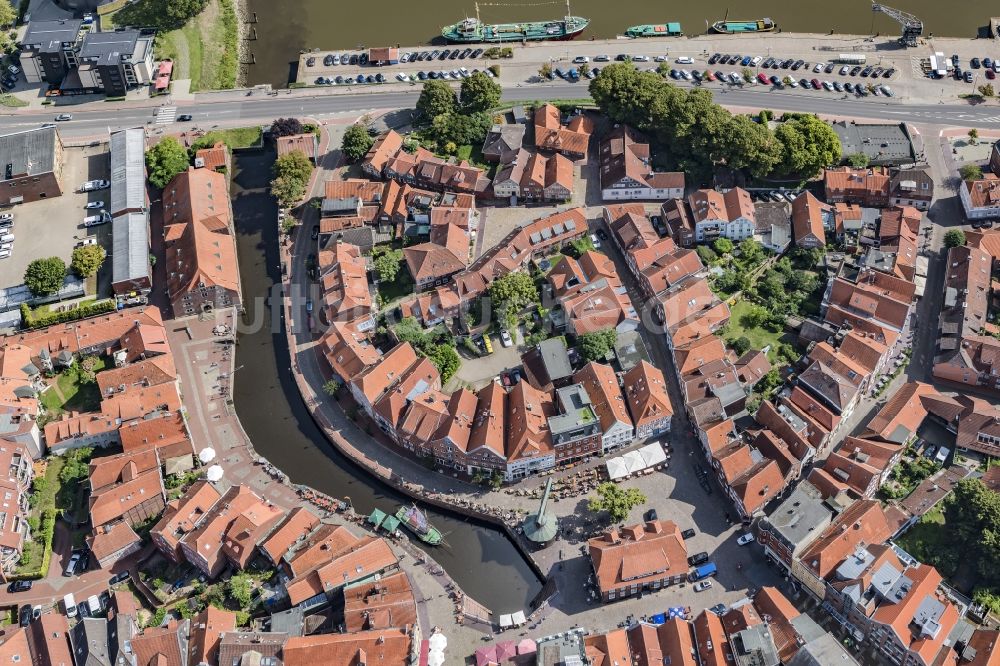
98 118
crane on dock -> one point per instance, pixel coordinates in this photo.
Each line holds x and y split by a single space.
912 26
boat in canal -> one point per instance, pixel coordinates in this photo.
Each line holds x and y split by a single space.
414 520
727 27
473 30
655 30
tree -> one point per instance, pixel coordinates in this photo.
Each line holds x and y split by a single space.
7 14
596 346
751 252
972 514
461 129
971 172
88 369
239 588
387 265
479 93
954 238
749 145
616 500
545 71
436 98
446 360
722 245
974 135
513 291
87 260
585 69
987 90
706 254
165 160
286 127
331 386
770 381
45 276
747 74
581 246
740 345
808 145
357 142
754 316
291 176
857 160
803 281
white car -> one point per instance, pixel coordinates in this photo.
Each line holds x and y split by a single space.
640 58
579 60
4 254
887 91
7 217
92 185
94 204
595 241
745 539
95 220
685 60
87 241
602 58
756 60
505 338
702 585
819 67
660 58
845 70
404 58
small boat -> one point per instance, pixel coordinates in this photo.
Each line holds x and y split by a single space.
655 30
414 520
727 27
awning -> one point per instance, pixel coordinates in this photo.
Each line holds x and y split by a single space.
518 618
506 622
636 461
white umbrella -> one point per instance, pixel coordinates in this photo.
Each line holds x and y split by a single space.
207 455
214 473
435 659
437 641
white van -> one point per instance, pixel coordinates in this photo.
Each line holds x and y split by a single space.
942 455
7 238
69 602
94 605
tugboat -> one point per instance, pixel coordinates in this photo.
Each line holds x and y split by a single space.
727 27
655 30
472 30
414 520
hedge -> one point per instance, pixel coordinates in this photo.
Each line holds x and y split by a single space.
50 318
46 532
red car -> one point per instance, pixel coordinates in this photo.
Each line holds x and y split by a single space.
762 77
709 76
816 84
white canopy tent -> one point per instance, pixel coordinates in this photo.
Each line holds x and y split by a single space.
636 461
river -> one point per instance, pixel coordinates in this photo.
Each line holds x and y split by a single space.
480 559
285 28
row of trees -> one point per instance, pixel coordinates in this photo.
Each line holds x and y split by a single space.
45 276
702 134
454 121
436 345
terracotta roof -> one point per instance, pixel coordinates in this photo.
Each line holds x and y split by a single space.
983 193
237 644
214 157
162 646
688 299
319 547
347 350
366 191
528 411
490 421
858 463
759 485
48 639
807 217
344 280
198 223
423 418
923 617
862 522
14 646
816 411
121 483
712 205
666 270
632 227
638 554
430 261
602 386
551 135
253 524
207 629
780 612
356 562
986 644
871 182
385 147
167 434
390 647
608 649
307 144
140 402
376 379
752 366
646 394
710 639
181 515
209 538
698 353
387 602
903 413
296 526
421 378
110 539
598 310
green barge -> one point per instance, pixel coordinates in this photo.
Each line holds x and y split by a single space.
655 30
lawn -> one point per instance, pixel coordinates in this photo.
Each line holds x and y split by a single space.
759 336
238 137
46 490
399 288
69 393
928 537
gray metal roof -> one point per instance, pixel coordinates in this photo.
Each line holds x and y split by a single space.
800 518
883 144
555 358
49 36
128 171
130 247
825 650
754 646
28 152
107 48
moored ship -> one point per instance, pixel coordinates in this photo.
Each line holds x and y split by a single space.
655 30
473 30
414 520
727 27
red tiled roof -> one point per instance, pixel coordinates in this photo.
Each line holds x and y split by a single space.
297 524
388 647
638 554
862 522
646 394
214 157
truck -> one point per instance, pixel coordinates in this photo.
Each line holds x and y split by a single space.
852 58
704 571
94 605
69 603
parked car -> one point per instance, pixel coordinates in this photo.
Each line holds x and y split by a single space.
64 117
118 578
688 533
96 220
702 585
579 60
92 185
19 586
71 565
685 60
94 204
719 609
698 558
505 338
6 217
24 616
745 539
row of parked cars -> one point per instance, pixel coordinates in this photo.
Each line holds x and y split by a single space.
454 75
989 65
6 235
334 59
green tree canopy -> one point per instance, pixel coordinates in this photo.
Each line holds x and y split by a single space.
240 587
479 93
972 514
809 145
7 14
722 245
45 276
165 160
513 291
954 238
87 260
580 246
857 160
436 98
357 142
387 265
291 177
751 252
461 129
595 346
971 172
740 345
751 146
446 360
616 500
706 254
160 14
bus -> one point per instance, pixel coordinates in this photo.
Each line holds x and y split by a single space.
852 58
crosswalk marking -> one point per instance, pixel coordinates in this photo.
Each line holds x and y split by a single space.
165 115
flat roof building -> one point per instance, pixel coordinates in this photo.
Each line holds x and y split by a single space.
32 165
130 270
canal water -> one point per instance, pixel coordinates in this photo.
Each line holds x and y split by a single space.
480 559
285 28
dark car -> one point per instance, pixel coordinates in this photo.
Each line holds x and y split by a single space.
849 87
955 60
24 616
714 58
354 59
84 562
797 65
338 80
453 55
422 75
432 75
310 62
816 84
119 577
785 64
719 609
602 234
968 76
698 76
698 558
477 53
434 54
974 63
829 68
806 85
363 59
746 60
328 61
19 586
720 76
775 81
621 57
444 54
867 70
856 70
649 515
888 73
466 53
688 533
675 74
184 118
988 63
877 72
837 86
990 74
380 78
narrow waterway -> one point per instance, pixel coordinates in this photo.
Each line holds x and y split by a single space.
480 559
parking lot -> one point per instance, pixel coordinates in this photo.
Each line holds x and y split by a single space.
53 227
